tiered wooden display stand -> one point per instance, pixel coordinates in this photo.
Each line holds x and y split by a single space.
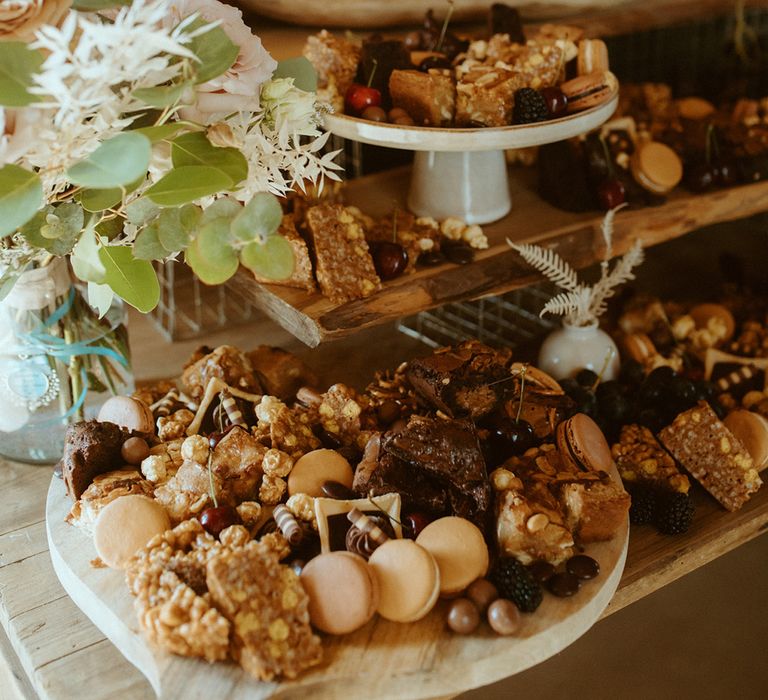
314 319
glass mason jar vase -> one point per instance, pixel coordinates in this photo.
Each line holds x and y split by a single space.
59 362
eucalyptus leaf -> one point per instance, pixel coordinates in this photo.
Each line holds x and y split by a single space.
100 297
86 263
272 259
186 184
18 63
94 5
116 162
109 229
147 244
222 208
63 225
162 95
210 256
99 200
134 281
171 232
190 216
259 219
6 284
196 149
301 70
21 195
214 49
140 211
161 132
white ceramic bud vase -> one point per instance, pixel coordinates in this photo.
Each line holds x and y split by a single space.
571 348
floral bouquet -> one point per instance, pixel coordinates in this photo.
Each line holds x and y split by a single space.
132 132
135 131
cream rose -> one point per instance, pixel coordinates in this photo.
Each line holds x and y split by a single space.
238 88
20 19
17 133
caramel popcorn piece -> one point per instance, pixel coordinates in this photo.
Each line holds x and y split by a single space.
268 610
340 411
226 363
175 425
713 455
289 429
237 461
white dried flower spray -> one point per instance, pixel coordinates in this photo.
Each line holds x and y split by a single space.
579 303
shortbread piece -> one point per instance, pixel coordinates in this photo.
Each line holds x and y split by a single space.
429 98
268 610
713 455
641 459
344 265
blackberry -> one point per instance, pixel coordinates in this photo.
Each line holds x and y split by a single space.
529 107
674 513
643 508
517 584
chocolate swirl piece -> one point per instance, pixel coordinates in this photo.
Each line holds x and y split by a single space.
360 542
231 408
288 525
367 525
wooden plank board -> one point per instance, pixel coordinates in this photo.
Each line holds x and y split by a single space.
314 319
602 17
383 659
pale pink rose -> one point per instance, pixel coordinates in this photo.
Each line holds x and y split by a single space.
238 88
17 133
20 19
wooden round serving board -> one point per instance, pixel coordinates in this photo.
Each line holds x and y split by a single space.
423 138
381 660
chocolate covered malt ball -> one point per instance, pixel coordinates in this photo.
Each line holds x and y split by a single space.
463 617
134 451
482 593
503 617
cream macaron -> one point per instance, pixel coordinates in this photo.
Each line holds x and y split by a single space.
409 580
313 469
125 525
459 549
343 592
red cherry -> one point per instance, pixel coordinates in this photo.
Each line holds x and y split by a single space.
389 258
611 193
555 99
359 97
414 523
214 520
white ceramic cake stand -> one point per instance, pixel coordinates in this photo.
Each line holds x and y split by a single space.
463 172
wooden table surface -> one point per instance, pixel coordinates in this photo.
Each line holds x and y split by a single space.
60 655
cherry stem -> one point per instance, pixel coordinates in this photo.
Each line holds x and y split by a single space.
606 361
444 28
373 72
522 391
380 509
210 480
607 153
394 226
711 145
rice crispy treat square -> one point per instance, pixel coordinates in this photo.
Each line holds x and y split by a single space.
335 59
268 609
713 455
343 264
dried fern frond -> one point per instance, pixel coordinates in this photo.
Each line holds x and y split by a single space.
606 228
573 305
622 272
549 263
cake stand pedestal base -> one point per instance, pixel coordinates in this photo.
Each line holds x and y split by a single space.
471 185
